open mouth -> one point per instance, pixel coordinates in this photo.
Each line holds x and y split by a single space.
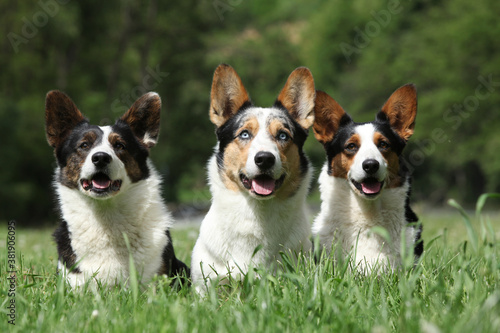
262 185
101 183
369 186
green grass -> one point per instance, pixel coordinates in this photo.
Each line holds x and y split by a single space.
455 288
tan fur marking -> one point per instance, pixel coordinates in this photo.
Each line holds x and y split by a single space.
114 138
290 160
236 155
89 137
342 162
276 126
70 174
393 178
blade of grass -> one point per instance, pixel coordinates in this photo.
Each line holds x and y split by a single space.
482 201
133 281
470 230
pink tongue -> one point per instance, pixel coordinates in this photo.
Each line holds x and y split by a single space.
371 188
101 183
263 186
86 184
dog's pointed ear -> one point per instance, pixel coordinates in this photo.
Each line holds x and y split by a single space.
401 110
228 95
61 116
329 115
298 95
143 117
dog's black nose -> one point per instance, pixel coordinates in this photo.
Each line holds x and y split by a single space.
264 160
371 166
101 159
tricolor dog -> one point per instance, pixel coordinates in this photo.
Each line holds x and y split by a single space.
107 188
259 177
365 182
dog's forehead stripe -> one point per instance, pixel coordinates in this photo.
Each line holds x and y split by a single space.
366 133
106 130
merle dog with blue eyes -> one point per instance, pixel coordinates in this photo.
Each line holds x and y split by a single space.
259 177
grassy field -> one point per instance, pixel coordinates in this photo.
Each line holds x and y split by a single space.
455 288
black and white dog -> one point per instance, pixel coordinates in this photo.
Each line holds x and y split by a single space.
259 177
107 188
365 182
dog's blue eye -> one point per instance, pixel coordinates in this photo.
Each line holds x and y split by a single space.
244 135
283 136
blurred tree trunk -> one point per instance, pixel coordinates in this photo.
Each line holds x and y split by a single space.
150 32
67 58
123 40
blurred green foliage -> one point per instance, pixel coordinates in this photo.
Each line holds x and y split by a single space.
106 54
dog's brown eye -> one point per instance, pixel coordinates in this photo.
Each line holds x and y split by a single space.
84 145
119 146
383 145
351 147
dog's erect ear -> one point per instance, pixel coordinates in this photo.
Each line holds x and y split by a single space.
401 111
228 95
328 115
297 96
61 116
143 117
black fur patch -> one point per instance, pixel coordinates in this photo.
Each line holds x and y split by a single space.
411 217
419 243
134 151
67 256
172 266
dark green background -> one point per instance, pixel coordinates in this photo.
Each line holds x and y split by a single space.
103 54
